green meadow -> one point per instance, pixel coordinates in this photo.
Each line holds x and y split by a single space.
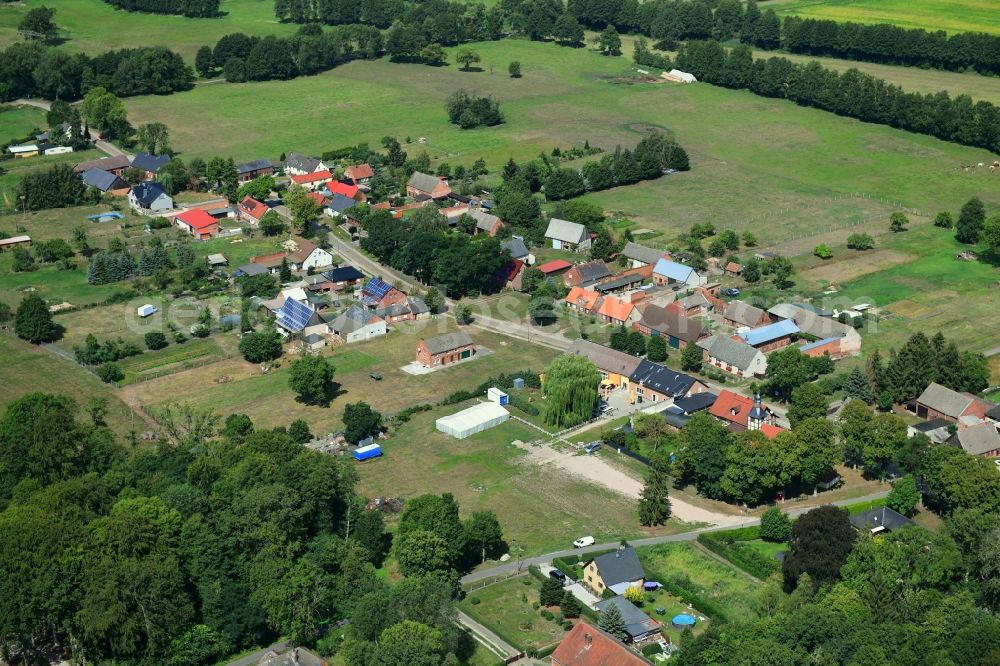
948 15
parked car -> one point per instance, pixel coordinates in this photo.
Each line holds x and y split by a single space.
558 575
376 376
592 448
731 291
583 542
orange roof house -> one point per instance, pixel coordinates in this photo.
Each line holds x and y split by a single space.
198 223
742 413
312 180
555 266
586 645
346 189
584 300
359 174
616 311
252 209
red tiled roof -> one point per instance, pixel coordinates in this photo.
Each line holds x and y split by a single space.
555 265
197 219
359 171
253 208
337 187
587 645
733 267
771 431
510 270
615 309
311 177
727 403
317 197
585 298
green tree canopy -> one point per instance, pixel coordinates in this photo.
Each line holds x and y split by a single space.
570 389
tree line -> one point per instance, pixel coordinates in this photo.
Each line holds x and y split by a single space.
851 93
32 69
219 537
191 8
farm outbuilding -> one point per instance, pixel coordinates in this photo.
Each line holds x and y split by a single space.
475 419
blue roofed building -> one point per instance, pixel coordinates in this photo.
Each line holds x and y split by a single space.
670 272
105 181
377 294
298 319
771 337
151 164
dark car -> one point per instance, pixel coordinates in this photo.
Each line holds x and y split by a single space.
732 291
558 575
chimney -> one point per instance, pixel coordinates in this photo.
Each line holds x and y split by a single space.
588 640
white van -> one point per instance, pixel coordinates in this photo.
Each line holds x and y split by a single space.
583 542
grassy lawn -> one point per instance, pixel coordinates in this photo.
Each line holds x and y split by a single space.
541 509
714 580
948 15
789 173
18 121
16 169
89 24
235 386
766 548
671 606
27 368
505 608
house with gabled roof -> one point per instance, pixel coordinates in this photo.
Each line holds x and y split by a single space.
678 330
667 272
356 324
105 181
981 439
150 164
423 186
733 356
511 274
586 645
251 210
616 571
941 402
486 223
652 382
772 336
197 223
309 255
359 174
297 164
739 314
517 248
618 311
816 324
692 305
312 181
115 164
586 274
247 171
349 190
880 520
615 367
566 235
583 300
554 267
377 294
638 625
640 255
445 349
740 412
150 198
295 318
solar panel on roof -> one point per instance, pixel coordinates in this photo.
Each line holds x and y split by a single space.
294 315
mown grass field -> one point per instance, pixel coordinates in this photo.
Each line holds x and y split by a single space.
505 608
15 170
92 26
948 15
17 121
760 164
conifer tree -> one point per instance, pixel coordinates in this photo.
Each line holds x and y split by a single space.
857 386
613 623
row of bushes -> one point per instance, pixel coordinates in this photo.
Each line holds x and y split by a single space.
522 404
404 416
734 549
503 381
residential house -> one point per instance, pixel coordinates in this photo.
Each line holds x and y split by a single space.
445 349
251 210
150 164
586 274
733 356
739 314
423 187
105 181
197 223
616 571
357 325
880 520
652 382
398 312
566 235
839 340
510 274
555 267
150 198
583 300
772 336
312 181
518 250
359 174
297 164
377 294
734 269
586 645
349 190
339 205
615 367
418 308
638 625
696 402
677 329
941 402
115 164
978 440
297 318
454 213
670 273
255 169
309 255
486 223
640 255
692 305
344 277
618 311
740 412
